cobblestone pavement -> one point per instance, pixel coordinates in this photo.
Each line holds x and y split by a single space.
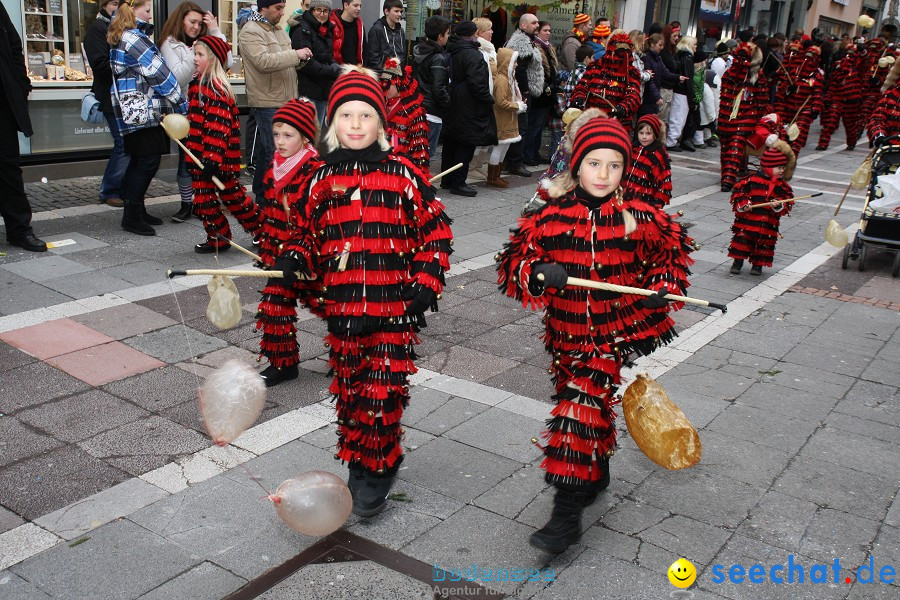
109 487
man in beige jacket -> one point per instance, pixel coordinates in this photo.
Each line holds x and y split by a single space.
270 73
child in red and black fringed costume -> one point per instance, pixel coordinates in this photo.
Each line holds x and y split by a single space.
885 119
295 131
801 99
590 229
650 175
378 242
843 100
407 125
215 138
743 83
612 84
756 229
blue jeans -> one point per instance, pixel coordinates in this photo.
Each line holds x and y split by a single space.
537 120
265 149
111 186
321 111
434 135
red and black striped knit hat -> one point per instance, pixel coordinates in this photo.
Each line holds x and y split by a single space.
773 158
654 123
299 114
219 47
600 132
356 85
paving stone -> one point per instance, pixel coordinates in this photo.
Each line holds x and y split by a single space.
45 268
85 285
187 305
731 361
864 427
689 379
610 543
453 469
112 563
394 527
811 380
9 520
106 256
517 343
780 520
791 403
102 364
272 468
206 581
450 414
13 587
44 383
694 540
511 495
144 445
157 389
836 533
500 432
465 363
408 496
362 579
538 511
422 402
308 388
27 442
766 429
872 401
630 464
54 338
631 517
751 343
174 344
489 313
854 451
838 360
882 371
11 358
32 295
526 380
75 418
745 461
41 484
127 320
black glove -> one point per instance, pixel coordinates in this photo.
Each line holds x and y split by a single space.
814 115
656 300
617 113
792 89
879 140
289 265
420 298
209 169
555 276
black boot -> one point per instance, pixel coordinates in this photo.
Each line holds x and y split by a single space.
756 270
184 213
150 219
133 219
273 375
564 527
370 490
736 266
595 488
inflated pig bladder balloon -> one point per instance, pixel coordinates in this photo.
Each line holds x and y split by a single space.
313 503
658 426
230 401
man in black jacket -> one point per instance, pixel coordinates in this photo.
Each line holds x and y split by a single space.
432 68
14 89
97 51
386 37
313 29
470 120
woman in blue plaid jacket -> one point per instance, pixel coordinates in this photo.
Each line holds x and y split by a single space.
143 91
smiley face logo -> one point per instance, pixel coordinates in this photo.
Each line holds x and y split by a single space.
682 573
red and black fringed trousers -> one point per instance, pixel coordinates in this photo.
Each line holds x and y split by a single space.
733 150
581 435
831 118
371 388
804 122
277 318
751 244
235 199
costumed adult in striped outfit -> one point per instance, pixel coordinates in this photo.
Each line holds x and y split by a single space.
800 99
885 119
407 123
878 64
843 100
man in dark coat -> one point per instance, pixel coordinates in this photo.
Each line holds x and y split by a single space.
313 29
386 37
97 51
470 119
431 64
14 89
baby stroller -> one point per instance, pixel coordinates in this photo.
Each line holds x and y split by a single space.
880 222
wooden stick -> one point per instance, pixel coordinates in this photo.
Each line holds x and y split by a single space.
196 160
802 106
782 67
239 248
442 173
231 273
777 202
622 289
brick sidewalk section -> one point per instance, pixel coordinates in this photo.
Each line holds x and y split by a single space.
78 191
845 297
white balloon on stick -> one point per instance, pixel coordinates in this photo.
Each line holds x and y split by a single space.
230 400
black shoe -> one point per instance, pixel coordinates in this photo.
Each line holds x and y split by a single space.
736 266
29 242
519 170
711 143
274 375
851 147
464 190
727 187
673 148
700 146
207 248
151 220
756 270
688 145
531 162
184 213
138 226
370 490
564 527
821 147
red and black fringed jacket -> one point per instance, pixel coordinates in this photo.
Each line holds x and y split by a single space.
594 239
808 91
746 80
885 119
215 133
757 189
370 226
611 83
650 176
845 83
407 124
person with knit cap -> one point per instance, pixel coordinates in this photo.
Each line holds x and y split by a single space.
612 83
215 138
885 119
377 241
581 28
843 98
407 122
591 228
650 175
295 128
597 41
755 230
800 99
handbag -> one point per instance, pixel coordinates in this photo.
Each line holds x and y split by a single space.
135 106
90 109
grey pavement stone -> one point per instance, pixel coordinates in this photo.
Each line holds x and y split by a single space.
206 581
323 437
691 539
443 326
838 360
448 415
473 535
43 383
45 268
863 345
511 495
611 543
700 410
270 469
780 520
415 498
854 451
13 587
465 363
811 380
501 432
835 533
85 285
885 548
174 344
631 517
730 361
394 527
786 402
38 485
882 371
803 309
107 256
837 486
515 342
157 389
688 379
141 272
422 402
751 343
880 431
413 438
308 388
539 509
872 401
344 581
189 304
764 428
453 469
11 358
126 320
527 380
9 520
75 418
468 389
489 313
742 460
111 563
20 441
